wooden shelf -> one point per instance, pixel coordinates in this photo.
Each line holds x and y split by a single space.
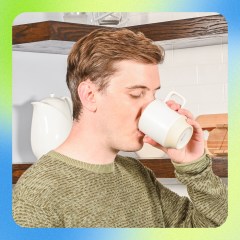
162 168
58 37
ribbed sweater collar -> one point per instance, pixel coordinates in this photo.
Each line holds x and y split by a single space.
97 168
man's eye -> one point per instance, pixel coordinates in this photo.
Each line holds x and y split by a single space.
137 95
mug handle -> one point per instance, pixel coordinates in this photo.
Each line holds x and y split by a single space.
172 93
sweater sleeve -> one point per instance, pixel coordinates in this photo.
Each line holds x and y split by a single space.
207 206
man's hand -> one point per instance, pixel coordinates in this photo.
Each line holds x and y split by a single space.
193 150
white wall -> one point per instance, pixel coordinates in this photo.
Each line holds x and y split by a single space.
31 17
200 75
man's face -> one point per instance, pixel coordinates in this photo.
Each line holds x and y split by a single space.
119 107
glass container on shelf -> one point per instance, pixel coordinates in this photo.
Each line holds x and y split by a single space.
111 19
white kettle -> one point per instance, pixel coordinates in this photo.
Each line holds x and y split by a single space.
51 123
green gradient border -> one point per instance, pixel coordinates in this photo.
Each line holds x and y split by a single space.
10 9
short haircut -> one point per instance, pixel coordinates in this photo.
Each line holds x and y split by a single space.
93 57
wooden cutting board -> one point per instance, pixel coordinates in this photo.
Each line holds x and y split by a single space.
217 126
211 121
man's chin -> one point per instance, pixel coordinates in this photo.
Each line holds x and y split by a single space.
135 148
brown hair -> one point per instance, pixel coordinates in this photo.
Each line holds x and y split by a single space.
94 55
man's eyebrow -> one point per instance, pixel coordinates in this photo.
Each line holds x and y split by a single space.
141 86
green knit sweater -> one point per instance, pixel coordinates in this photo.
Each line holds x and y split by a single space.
58 191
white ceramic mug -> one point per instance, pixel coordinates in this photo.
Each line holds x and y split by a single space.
164 125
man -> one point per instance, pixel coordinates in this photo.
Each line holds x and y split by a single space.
112 76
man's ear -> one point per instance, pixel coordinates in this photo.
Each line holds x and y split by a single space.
86 93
